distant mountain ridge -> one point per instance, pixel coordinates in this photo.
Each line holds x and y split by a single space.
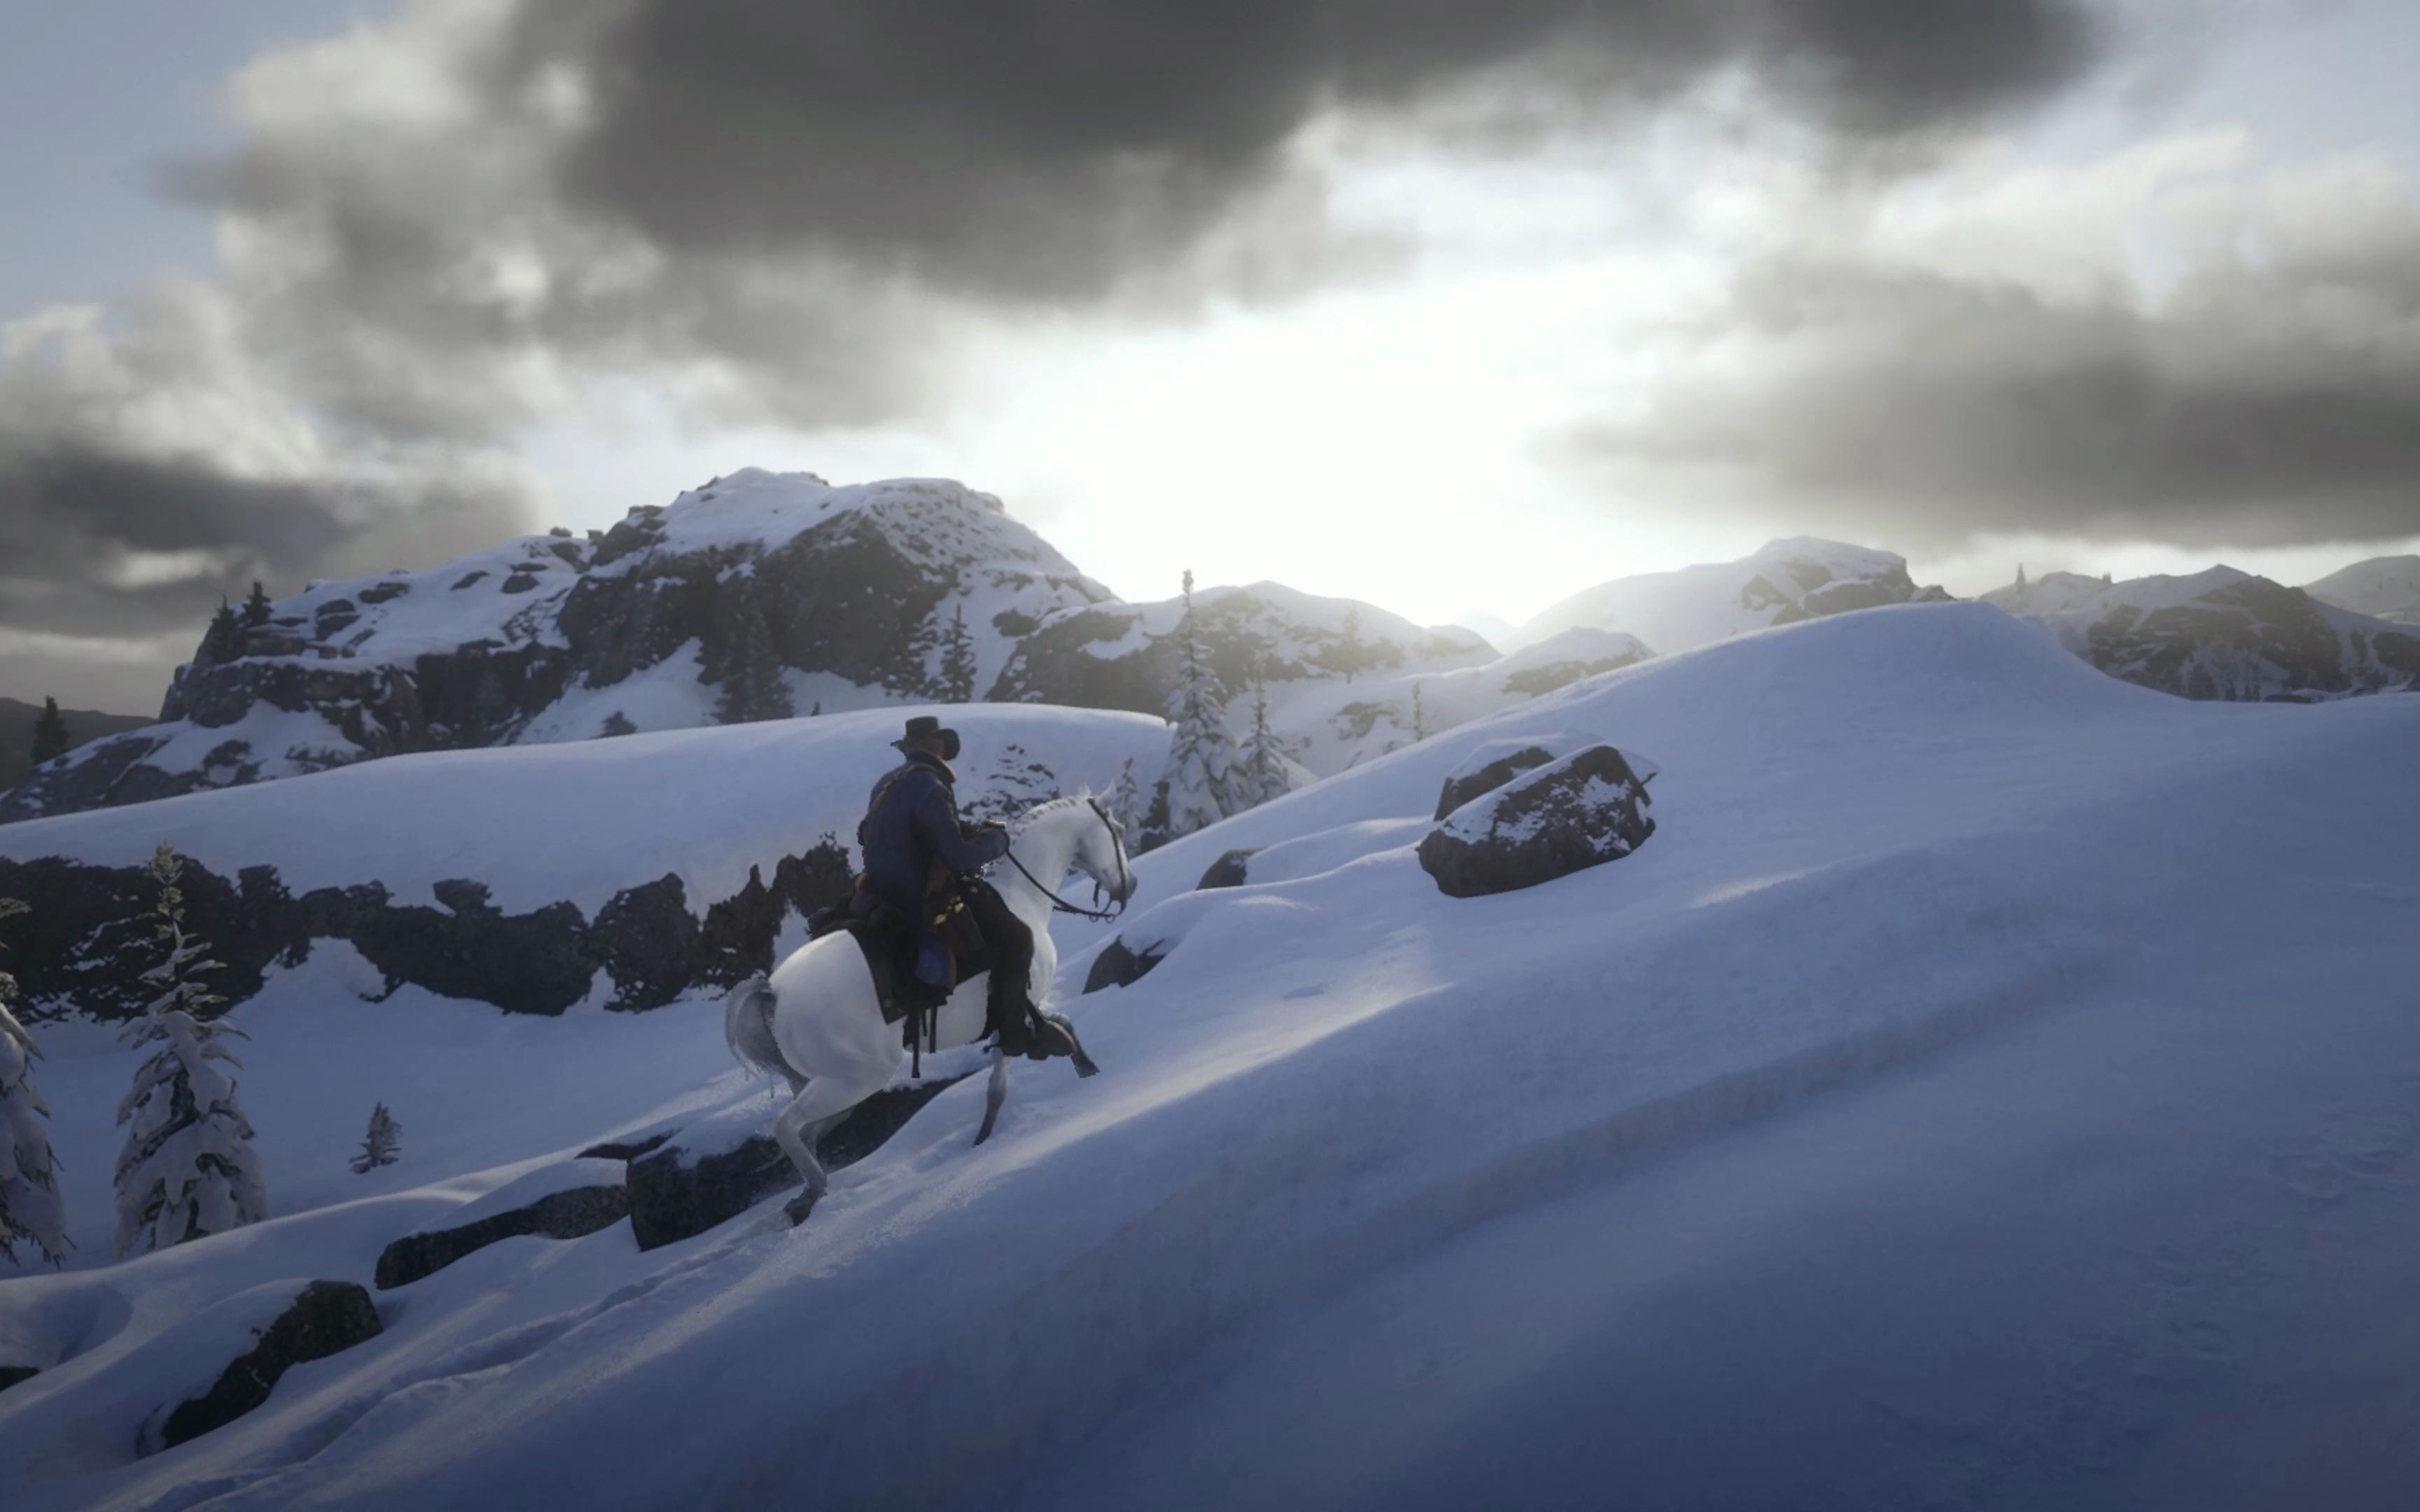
17 719
1788 580
2383 588
2219 634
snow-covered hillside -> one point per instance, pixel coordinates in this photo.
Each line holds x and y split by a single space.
2218 634
2383 588
1782 583
535 877
1990 1086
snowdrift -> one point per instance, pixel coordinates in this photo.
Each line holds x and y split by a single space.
1380 1183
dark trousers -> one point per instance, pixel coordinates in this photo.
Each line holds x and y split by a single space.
1008 945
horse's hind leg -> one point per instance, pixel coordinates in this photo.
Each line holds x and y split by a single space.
800 1126
995 1093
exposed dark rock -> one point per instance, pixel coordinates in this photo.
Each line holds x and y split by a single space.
677 1191
520 582
380 592
540 962
468 578
1461 787
1580 812
2252 640
12 1374
1226 871
326 1317
1119 965
626 1148
567 1214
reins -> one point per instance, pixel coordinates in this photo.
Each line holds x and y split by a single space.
1061 905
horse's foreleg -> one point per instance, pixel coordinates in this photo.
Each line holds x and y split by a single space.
1084 1066
995 1093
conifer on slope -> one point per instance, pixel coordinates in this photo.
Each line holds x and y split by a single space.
30 1210
188 1168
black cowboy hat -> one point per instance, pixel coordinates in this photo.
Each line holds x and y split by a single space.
926 727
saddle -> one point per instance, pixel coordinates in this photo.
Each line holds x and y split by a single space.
892 940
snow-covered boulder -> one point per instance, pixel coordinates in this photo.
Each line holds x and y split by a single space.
1119 964
1229 870
12 1374
712 1171
566 1201
1581 810
325 1317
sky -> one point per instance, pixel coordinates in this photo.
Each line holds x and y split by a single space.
1450 308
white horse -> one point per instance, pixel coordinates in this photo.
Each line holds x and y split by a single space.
818 1021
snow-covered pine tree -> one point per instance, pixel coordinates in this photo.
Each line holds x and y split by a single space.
957 680
619 723
30 1213
1200 754
1125 800
753 689
383 1145
1420 715
187 1169
256 607
1264 764
50 733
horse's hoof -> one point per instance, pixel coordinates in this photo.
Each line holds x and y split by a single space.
1084 1066
797 1209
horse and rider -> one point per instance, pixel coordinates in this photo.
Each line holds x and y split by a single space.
926 953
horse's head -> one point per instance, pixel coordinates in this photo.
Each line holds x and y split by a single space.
1101 855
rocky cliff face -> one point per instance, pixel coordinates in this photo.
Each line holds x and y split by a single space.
757 597
2220 635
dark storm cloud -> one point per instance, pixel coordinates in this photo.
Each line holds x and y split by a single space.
1046 147
2261 404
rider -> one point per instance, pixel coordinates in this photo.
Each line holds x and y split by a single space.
915 845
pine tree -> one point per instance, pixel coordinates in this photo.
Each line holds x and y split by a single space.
619 723
187 1169
752 688
256 607
1201 754
383 1145
224 640
30 1213
1349 653
2021 575
1420 716
1125 800
957 680
1263 767
50 733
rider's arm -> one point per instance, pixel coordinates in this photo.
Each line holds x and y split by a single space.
937 823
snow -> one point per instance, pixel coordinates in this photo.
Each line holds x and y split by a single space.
2383 588
578 822
1991 1087
1696 605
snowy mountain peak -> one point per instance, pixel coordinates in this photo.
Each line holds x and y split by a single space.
2383 588
1784 582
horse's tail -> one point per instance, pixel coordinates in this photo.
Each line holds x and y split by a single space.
747 1029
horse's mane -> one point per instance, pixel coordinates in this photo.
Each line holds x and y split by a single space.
1051 805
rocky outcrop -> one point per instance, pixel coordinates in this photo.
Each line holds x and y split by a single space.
707 1175
1226 871
1119 964
12 1374
325 1318
643 939
569 1213
1582 811
1494 764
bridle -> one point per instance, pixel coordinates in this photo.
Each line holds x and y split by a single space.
1062 905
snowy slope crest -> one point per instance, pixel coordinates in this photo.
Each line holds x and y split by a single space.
1882 836
1786 582
2383 588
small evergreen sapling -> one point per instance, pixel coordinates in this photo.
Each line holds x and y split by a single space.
1264 765
50 733
256 607
383 1145
188 1168
30 1213
1201 754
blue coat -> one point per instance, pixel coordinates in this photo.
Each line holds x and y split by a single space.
911 822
